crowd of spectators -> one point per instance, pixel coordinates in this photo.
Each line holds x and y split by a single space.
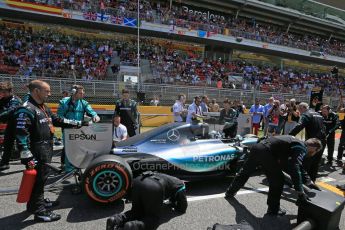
49 53
182 68
249 28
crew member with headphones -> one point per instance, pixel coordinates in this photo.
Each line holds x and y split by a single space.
75 107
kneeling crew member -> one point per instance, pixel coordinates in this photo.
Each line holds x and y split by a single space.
275 155
149 191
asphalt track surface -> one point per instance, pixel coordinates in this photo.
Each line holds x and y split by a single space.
206 205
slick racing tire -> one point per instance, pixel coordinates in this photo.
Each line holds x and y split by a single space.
107 179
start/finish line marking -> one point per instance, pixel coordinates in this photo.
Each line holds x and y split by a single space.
220 195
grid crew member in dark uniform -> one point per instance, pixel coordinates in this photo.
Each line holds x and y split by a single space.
8 104
342 141
149 191
314 128
228 117
34 135
127 110
275 155
331 122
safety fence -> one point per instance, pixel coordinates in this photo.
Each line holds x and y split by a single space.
106 92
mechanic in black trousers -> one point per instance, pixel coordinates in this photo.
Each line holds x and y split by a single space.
342 141
128 111
275 155
314 128
34 124
331 122
149 191
8 104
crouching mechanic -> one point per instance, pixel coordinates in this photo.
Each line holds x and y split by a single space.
275 155
149 191
34 124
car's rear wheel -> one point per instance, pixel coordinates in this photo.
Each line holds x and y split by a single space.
107 179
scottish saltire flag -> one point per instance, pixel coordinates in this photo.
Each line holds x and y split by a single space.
130 21
202 33
103 17
90 16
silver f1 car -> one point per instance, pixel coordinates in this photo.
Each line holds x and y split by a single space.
187 151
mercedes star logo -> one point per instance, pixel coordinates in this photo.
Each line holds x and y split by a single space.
173 135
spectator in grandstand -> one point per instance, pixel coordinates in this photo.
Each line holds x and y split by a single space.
194 111
127 109
228 117
75 108
213 106
331 122
273 118
204 104
178 108
292 116
267 108
8 104
219 83
120 131
257 111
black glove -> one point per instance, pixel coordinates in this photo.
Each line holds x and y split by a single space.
312 186
302 199
81 124
84 123
29 163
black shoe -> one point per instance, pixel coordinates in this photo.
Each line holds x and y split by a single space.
50 204
329 162
4 167
47 216
339 162
110 223
279 212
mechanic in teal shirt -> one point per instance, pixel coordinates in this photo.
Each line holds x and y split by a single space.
74 108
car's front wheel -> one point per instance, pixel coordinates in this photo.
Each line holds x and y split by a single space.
107 179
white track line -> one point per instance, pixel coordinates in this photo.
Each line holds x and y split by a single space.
220 195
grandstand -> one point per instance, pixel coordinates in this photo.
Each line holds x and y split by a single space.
234 49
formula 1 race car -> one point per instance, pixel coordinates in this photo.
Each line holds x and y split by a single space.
187 151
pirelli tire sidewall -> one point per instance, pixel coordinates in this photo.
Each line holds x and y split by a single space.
104 166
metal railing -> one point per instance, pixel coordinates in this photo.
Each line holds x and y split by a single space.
106 92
